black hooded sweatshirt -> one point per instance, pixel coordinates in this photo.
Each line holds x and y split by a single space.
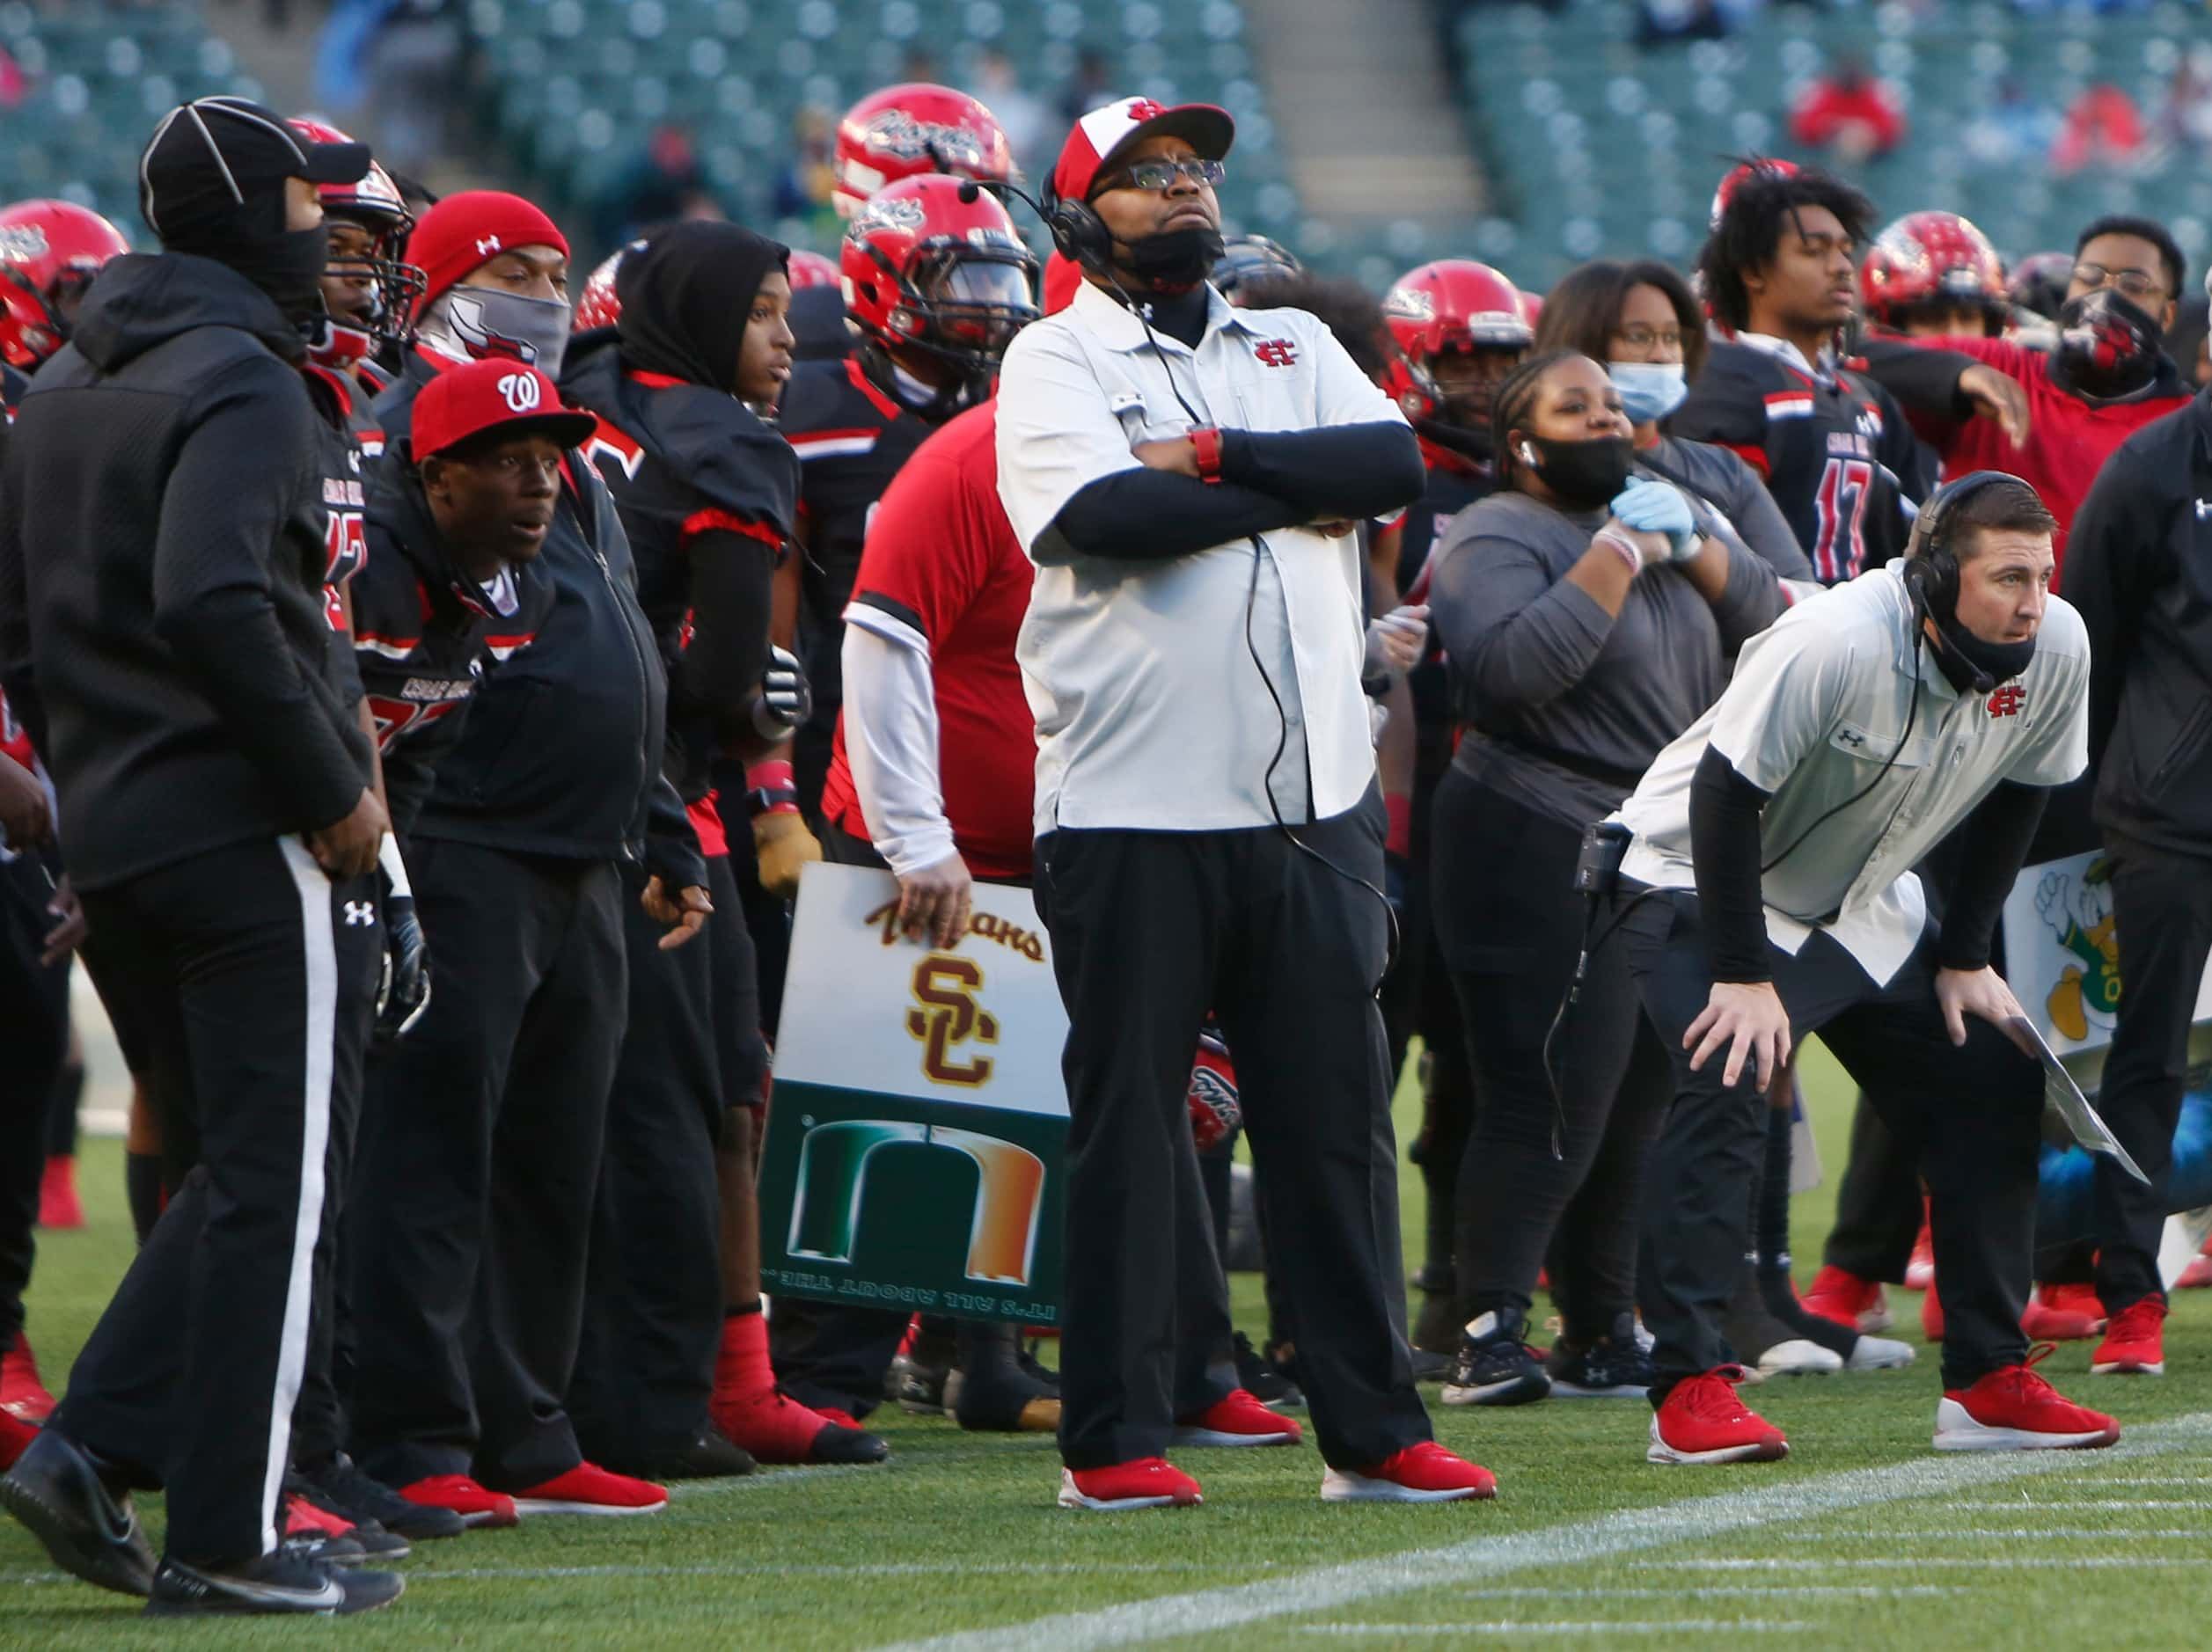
706 490
163 543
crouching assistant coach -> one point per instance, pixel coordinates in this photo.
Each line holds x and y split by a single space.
1767 894
1209 828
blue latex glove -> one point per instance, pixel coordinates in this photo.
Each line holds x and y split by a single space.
1649 506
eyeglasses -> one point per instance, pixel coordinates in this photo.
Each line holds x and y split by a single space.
1162 174
1639 337
2135 283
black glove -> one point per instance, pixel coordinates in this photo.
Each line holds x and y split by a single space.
784 700
404 991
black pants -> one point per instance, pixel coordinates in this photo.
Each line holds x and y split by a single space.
469 1235
1149 931
2162 917
653 1311
1971 1112
1512 926
34 1031
233 969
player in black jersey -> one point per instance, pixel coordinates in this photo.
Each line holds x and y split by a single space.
707 491
1833 446
938 283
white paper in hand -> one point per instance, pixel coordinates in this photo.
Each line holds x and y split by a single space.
2061 1092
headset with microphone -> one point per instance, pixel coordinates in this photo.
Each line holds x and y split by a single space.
1931 567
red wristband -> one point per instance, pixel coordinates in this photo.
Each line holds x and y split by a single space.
1206 445
771 789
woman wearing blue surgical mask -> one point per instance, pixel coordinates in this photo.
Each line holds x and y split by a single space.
1641 321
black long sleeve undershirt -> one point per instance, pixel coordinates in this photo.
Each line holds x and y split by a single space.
731 589
1269 480
1998 834
1724 847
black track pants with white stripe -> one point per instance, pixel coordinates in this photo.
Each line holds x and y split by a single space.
233 969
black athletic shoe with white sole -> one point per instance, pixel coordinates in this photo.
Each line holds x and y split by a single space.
1613 1367
342 1484
92 1533
1496 1366
268 1584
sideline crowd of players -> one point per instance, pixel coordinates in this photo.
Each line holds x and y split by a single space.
638 607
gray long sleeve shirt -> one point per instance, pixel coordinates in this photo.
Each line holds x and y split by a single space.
1565 705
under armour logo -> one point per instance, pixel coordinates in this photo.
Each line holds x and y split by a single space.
2007 701
520 392
359 913
2204 509
1275 352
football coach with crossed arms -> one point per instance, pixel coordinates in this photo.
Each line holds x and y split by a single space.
1767 893
1208 826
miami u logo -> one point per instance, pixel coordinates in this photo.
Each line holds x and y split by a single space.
946 1016
834 1163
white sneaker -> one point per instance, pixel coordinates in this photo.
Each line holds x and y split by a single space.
1799 1357
1880 1353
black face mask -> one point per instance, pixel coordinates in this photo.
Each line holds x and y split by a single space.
1965 653
288 267
2107 347
1174 258
1583 475
1469 442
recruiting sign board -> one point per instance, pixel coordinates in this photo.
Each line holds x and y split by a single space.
914 1158
2061 957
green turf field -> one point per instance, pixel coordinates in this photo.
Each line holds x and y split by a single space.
1863 1533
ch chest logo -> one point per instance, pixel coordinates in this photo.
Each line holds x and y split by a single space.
2008 700
1275 352
946 1016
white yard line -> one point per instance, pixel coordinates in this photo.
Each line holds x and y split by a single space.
1603 1625
1922 1562
1745 1506
1733 1591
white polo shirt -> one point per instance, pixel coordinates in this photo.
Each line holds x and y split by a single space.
1150 712
1820 700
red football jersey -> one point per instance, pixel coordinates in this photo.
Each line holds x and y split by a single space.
942 556
2068 444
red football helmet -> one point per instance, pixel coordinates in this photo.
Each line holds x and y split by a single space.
1934 260
1752 168
910 130
1453 305
49 252
925 269
375 205
813 269
599 307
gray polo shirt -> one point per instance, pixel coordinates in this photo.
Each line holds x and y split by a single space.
1565 705
1817 704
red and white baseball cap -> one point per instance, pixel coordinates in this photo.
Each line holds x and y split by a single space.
464 232
495 393
1103 134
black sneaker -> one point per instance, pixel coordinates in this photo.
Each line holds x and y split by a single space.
1612 1368
712 1455
342 1486
1496 1366
91 1530
368 1537
1259 1376
917 1386
268 1584
1036 1371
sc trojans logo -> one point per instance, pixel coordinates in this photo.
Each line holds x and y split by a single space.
946 1016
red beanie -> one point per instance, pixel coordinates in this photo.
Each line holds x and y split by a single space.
465 232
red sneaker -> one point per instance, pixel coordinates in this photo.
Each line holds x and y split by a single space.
843 1419
1238 1419
22 1396
303 1519
1920 1268
1148 1482
588 1489
1844 1299
1425 1473
753 1413
2198 1274
15 1438
59 1207
2135 1342
2012 1409
476 1506
1701 1421
1931 1316
2063 1313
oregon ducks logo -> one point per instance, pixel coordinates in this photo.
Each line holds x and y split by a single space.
946 1016
834 1159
